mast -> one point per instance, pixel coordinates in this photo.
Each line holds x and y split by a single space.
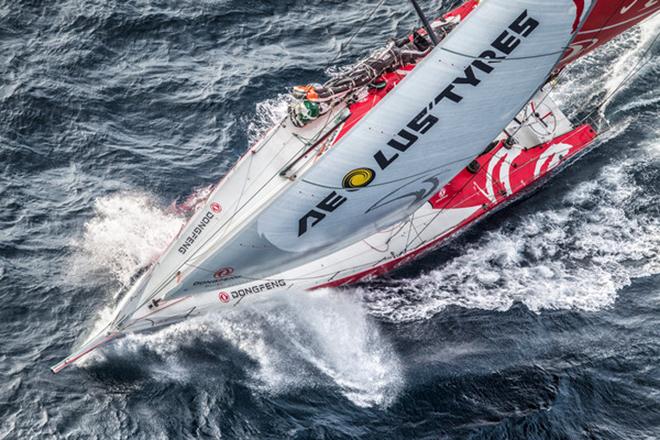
425 22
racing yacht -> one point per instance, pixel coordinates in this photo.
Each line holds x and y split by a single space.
383 162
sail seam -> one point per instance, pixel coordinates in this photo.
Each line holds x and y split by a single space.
507 59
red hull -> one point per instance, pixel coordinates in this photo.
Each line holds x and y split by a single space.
607 20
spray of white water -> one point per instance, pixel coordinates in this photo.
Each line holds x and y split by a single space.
606 73
128 231
324 337
301 339
576 257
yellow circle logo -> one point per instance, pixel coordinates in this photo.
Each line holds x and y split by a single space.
358 178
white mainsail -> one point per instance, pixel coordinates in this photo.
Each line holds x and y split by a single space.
412 143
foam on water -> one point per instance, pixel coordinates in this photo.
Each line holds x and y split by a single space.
574 257
333 332
605 72
268 113
301 339
128 231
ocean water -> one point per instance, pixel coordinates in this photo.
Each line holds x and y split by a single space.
542 322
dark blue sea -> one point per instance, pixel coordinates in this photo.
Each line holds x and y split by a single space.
542 322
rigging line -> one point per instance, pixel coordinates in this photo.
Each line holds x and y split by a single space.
411 220
643 61
374 248
528 57
167 279
416 237
397 231
639 65
355 34
401 179
636 69
555 82
245 183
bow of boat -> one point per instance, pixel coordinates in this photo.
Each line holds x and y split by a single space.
86 348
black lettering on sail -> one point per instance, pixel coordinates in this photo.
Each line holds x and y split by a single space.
506 43
407 136
422 124
449 94
331 202
524 25
313 216
482 66
470 78
382 161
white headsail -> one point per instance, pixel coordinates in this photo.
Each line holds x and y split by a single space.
413 142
